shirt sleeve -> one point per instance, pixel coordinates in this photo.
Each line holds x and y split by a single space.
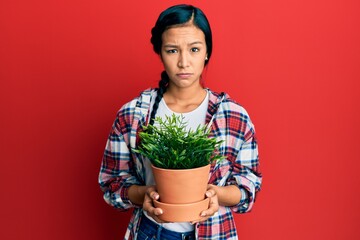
245 171
116 172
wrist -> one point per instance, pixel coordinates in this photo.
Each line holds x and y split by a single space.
136 194
228 195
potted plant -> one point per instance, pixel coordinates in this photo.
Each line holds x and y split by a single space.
180 161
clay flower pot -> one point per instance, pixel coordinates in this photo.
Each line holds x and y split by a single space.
178 155
182 192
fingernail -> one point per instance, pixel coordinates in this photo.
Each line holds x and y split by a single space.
159 212
203 214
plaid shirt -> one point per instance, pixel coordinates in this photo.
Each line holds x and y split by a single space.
122 168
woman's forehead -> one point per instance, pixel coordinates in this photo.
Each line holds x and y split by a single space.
184 33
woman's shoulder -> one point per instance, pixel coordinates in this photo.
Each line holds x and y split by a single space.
226 102
133 110
144 98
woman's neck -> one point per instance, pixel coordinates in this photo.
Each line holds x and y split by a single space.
184 99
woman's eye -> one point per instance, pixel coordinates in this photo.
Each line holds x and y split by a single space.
195 49
171 51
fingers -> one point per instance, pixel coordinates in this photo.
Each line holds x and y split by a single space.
148 205
154 195
210 193
213 206
151 192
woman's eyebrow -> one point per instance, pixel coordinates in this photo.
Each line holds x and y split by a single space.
171 45
197 42
175 45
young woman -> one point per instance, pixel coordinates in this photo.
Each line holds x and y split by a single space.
182 38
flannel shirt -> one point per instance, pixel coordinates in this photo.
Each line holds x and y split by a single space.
229 121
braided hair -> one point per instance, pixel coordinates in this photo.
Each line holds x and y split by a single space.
160 92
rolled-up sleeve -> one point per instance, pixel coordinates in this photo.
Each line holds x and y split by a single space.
116 172
245 171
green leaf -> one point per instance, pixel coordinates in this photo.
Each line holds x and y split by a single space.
167 144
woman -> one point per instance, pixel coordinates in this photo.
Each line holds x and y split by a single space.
182 38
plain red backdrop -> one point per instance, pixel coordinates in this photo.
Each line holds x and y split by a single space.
66 67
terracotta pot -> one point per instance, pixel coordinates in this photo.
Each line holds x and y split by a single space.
182 192
182 212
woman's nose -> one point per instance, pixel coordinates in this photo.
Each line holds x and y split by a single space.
183 60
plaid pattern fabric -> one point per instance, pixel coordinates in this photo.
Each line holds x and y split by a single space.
122 168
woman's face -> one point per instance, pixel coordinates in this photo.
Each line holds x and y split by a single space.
183 54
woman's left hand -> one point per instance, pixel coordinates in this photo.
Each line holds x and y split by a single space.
213 204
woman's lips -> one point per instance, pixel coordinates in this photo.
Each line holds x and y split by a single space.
184 75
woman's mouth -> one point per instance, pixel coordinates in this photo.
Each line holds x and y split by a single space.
184 75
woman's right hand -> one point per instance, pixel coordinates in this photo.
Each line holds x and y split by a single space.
148 205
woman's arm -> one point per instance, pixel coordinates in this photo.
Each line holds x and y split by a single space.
227 195
136 194
117 171
245 174
239 173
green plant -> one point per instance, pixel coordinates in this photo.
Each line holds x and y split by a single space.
167 144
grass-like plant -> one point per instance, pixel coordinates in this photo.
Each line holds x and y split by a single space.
167 144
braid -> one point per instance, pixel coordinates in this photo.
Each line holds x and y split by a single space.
160 92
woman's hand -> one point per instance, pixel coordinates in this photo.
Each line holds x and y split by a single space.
224 196
213 204
148 205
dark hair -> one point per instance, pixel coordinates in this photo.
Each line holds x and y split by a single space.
177 15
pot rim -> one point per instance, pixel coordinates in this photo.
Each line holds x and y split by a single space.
186 169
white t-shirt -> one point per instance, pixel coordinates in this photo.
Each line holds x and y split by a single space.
193 119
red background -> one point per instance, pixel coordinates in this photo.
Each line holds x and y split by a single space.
66 67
